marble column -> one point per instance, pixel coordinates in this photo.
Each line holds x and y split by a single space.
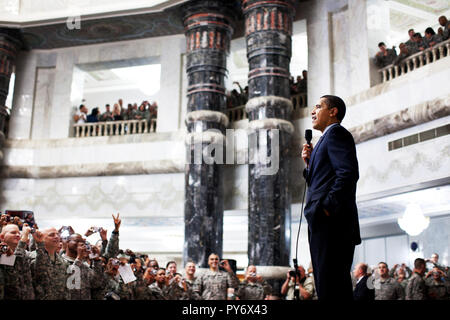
10 45
208 31
268 27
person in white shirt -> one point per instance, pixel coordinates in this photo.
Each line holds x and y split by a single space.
81 115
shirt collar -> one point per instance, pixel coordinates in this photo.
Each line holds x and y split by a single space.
329 127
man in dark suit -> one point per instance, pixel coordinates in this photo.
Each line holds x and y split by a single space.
362 291
333 226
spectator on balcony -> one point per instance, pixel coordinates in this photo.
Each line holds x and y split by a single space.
130 114
404 53
441 32
411 44
446 27
142 112
107 115
431 38
81 115
292 85
235 98
420 43
153 109
302 82
117 114
385 56
93 117
241 96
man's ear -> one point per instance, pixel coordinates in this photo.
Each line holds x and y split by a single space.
334 112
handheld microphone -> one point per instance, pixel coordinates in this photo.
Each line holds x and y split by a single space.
308 137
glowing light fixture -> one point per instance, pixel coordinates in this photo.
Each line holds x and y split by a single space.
413 221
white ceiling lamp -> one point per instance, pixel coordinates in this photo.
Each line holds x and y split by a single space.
413 221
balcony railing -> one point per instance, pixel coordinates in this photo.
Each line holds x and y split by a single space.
238 113
416 60
114 128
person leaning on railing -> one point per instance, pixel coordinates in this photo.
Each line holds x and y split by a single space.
385 56
446 27
431 38
404 53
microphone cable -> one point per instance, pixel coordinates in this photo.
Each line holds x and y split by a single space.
308 137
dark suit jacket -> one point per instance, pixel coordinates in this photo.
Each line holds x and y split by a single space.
362 292
331 178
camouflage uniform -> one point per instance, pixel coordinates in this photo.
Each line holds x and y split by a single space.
90 278
253 290
190 294
18 282
212 285
307 284
416 289
130 115
382 61
116 285
437 290
434 38
49 275
107 116
412 46
403 284
140 287
170 292
111 250
388 289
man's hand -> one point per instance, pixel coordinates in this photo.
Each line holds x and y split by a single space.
306 152
326 212
259 278
226 265
103 234
117 222
38 236
25 232
89 232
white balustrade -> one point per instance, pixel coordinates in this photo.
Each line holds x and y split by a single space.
113 128
417 60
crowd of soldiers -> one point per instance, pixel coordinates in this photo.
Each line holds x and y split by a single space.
146 111
53 264
402 283
416 43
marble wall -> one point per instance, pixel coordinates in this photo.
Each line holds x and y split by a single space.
45 79
338 60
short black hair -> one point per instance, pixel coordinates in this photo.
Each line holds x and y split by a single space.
419 262
382 262
410 30
364 268
336 102
107 105
430 30
169 263
417 35
81 106
381 44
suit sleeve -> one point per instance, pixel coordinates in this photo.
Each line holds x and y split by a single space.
342 154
